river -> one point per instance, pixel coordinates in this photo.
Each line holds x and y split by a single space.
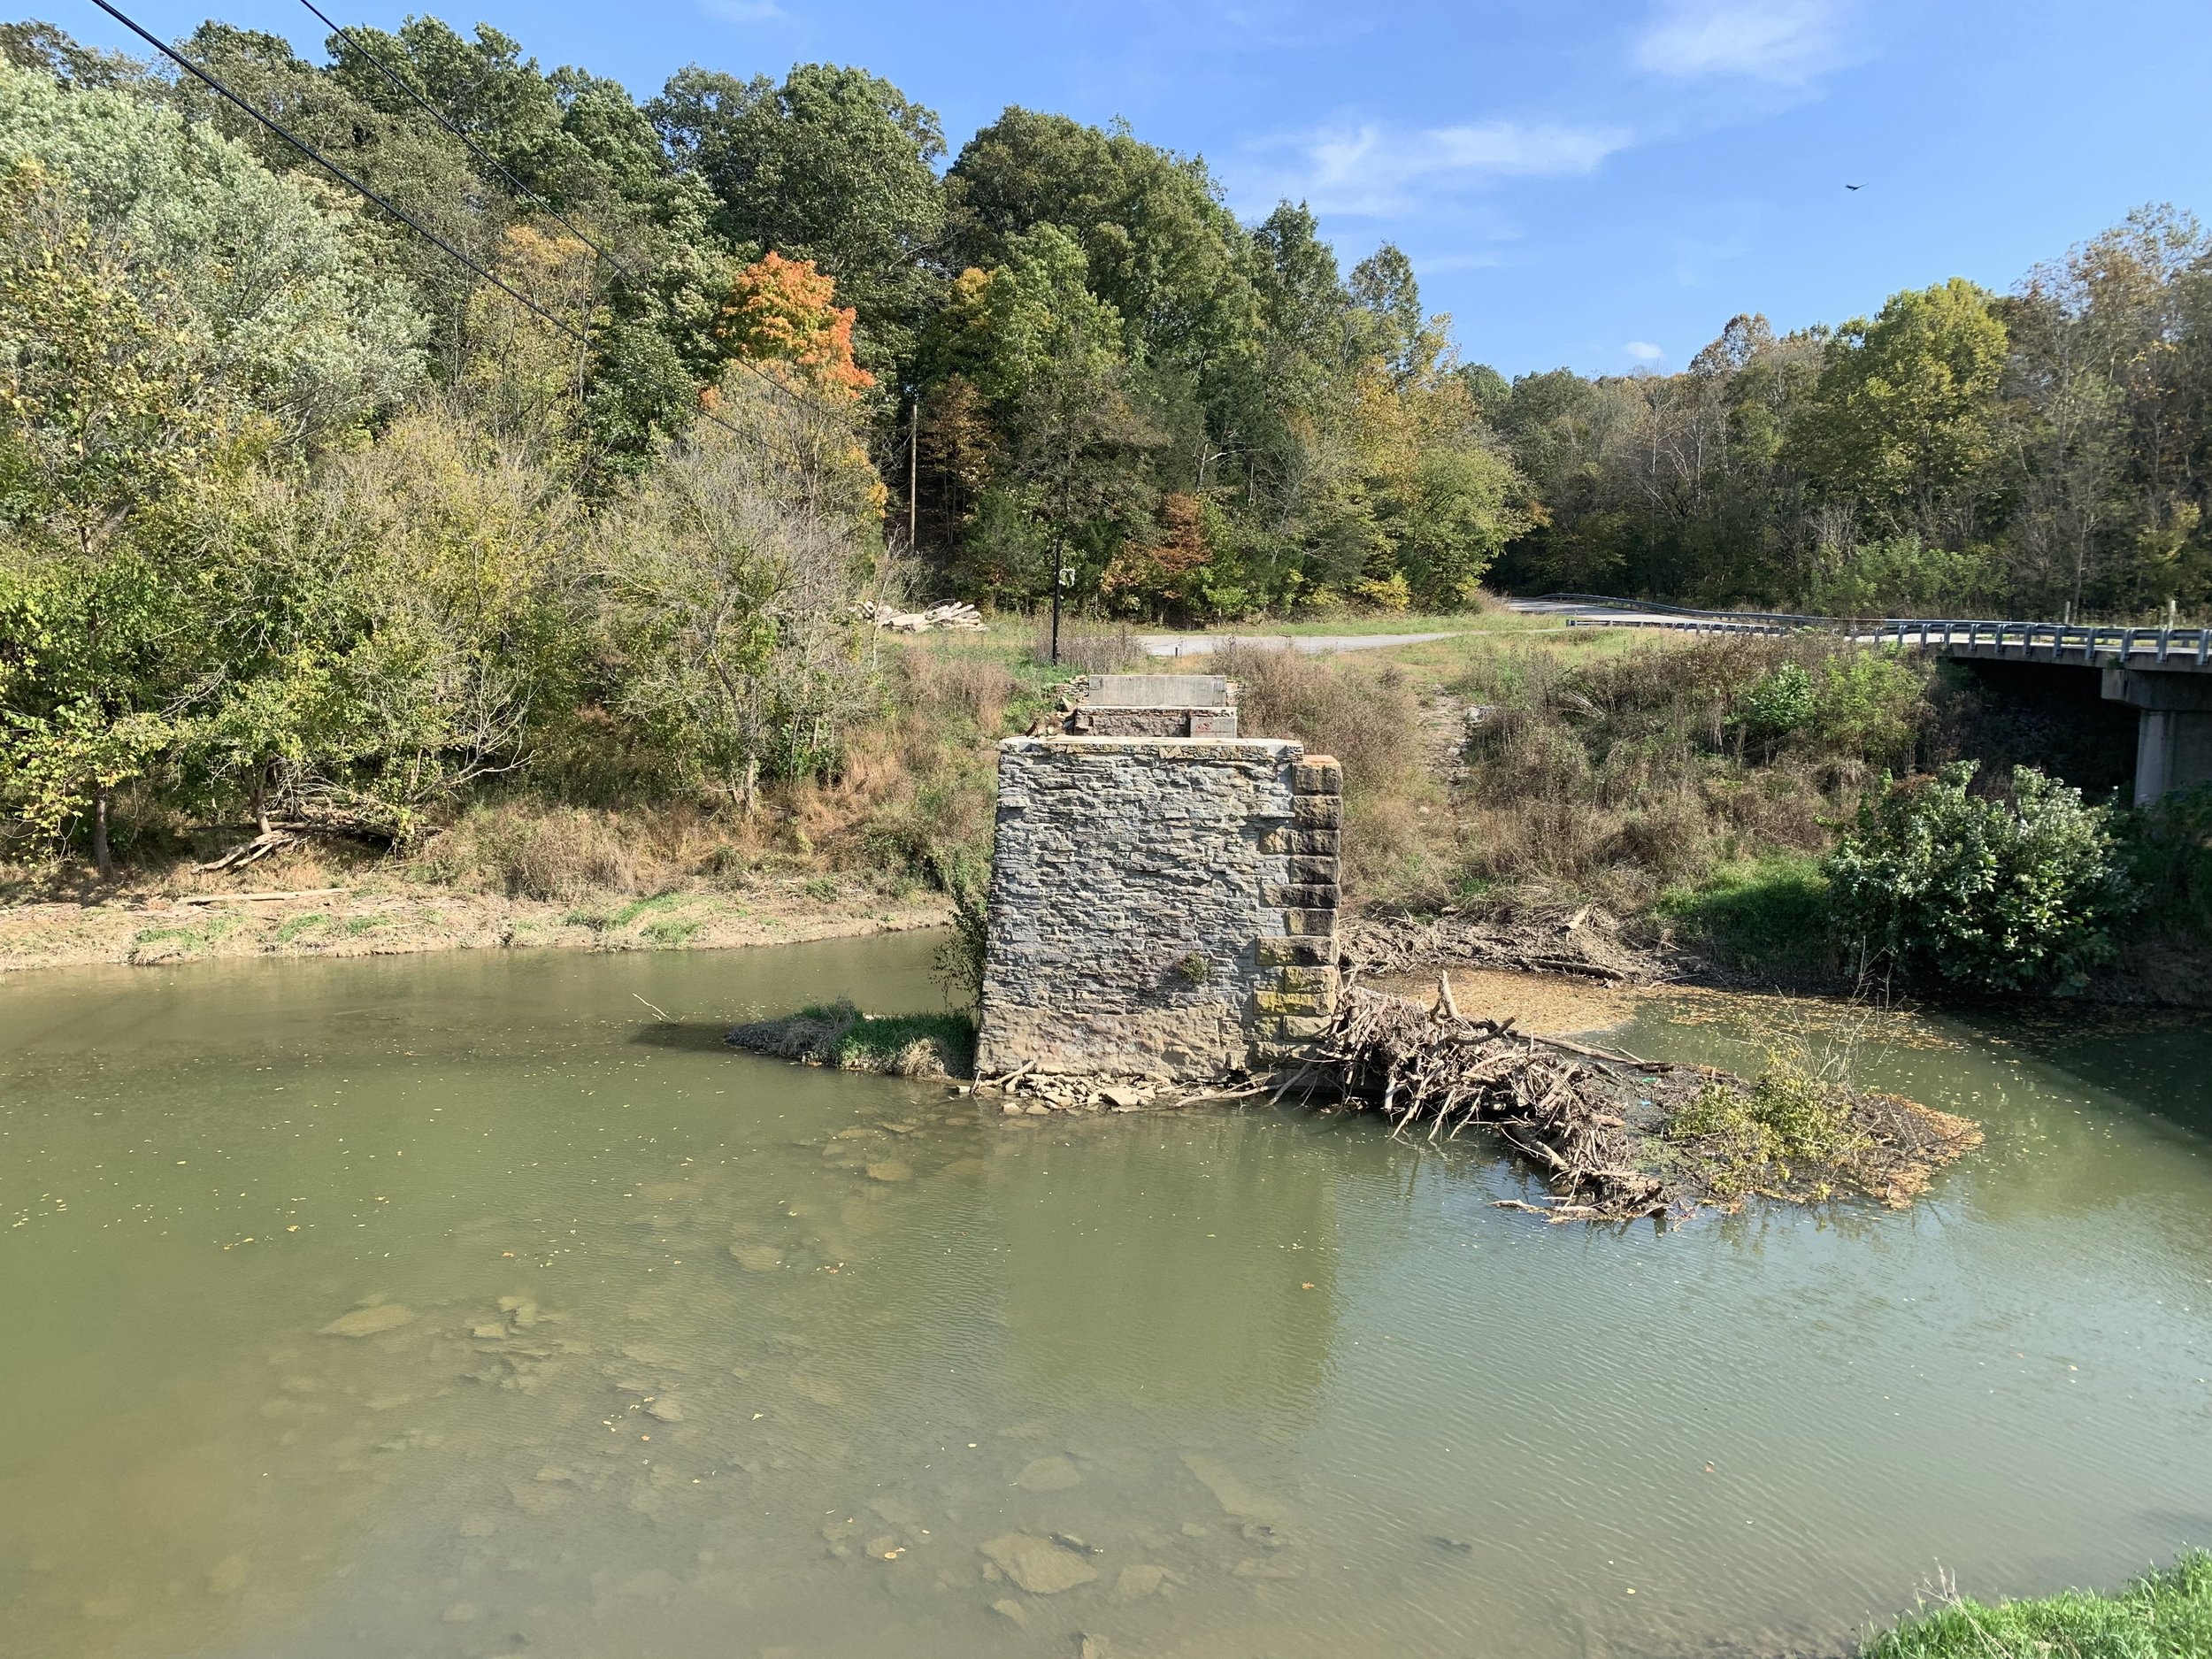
666 1350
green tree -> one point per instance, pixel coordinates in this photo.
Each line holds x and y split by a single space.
283 314
104 424
1903 419
1159 246
832 166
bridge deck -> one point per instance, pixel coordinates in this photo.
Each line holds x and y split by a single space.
2187 650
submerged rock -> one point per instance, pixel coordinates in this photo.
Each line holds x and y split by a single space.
1048 1474
1037 1565
1138 1580
1230 1492
386 1315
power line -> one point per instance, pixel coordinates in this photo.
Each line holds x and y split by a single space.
439 116
399 214
337 171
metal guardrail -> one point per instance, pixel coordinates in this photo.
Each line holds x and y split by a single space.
1617 603
2050 641
2089 644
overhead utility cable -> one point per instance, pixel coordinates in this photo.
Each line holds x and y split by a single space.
397 212
337 171
439 116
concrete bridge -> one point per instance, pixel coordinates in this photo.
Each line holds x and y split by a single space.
2165 674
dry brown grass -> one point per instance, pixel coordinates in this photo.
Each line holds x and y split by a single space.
526 849
1619 778
1087 646
1368 716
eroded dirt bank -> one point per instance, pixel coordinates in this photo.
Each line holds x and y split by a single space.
388 918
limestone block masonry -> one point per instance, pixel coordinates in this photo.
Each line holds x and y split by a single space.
1161 907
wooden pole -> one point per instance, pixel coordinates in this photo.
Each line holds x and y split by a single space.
1057 581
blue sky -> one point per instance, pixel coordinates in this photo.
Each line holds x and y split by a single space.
1595 185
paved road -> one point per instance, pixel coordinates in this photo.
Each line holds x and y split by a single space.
1305 644
1619 615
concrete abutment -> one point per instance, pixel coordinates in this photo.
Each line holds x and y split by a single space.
2173 731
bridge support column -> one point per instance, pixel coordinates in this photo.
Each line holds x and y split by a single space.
2173 731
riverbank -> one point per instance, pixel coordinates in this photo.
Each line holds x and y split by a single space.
2161 1616
384 916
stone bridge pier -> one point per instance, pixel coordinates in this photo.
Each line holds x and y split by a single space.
1159 906
2173 731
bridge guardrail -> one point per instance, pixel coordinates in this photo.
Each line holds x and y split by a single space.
2088 643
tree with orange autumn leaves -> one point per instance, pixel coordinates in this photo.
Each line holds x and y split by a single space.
783 314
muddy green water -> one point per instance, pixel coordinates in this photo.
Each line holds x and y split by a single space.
710 1355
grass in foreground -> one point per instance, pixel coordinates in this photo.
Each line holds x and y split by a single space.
2163 1616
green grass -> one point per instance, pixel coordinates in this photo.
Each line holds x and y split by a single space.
1766 914
296 925
837 1034
191 938
875 1042
670 932
2162 1615
636 908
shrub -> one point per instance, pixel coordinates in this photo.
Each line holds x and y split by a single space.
1368 718
1087 647
1868 706
1787 1120
2170 856
1976 892
966 880
1779 703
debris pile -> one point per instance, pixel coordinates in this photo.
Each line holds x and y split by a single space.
956 616
1615 1137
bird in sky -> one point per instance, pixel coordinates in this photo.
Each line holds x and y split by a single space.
1854 186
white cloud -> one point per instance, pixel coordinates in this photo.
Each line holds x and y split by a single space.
1371 169
1784 40
743 10
1643 351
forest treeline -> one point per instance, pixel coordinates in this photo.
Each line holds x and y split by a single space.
304 515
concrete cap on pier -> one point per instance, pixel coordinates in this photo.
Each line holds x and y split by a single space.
1157 691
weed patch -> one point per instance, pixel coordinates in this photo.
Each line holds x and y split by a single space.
2162 1616
1767 915
838 1034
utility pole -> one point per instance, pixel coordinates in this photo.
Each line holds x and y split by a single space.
1059 578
